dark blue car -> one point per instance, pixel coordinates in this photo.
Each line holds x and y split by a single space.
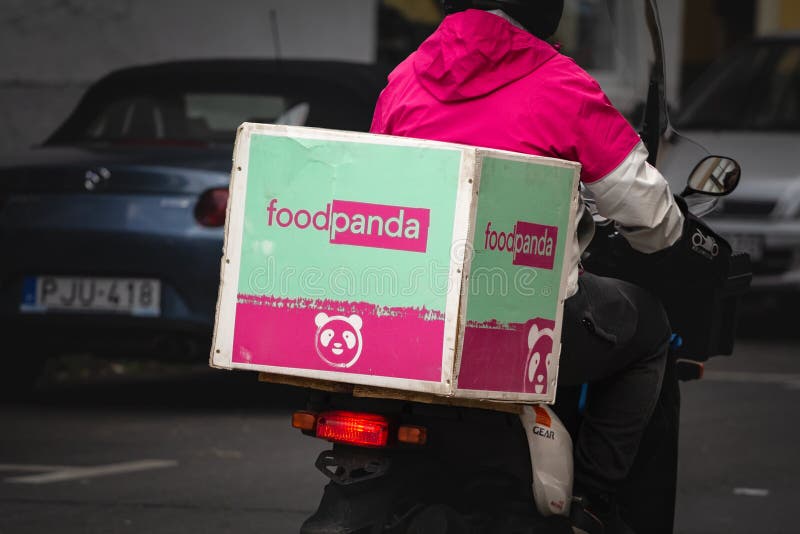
112 230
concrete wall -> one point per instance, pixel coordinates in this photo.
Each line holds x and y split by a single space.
50 50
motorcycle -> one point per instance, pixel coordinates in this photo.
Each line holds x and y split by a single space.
406 466
401 465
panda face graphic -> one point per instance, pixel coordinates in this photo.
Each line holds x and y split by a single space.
540 355
338 339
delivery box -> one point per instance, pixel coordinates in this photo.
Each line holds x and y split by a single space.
397 263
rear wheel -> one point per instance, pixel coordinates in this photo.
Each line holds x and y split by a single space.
439 519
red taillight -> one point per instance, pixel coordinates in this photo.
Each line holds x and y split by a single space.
362 429
210 209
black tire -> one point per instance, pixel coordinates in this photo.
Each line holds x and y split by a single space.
438 519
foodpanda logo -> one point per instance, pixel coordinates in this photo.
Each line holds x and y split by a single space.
359 224
338 339
540 355
531 244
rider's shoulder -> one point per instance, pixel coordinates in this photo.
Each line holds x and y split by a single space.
566 69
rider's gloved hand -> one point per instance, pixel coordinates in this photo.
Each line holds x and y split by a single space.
700 256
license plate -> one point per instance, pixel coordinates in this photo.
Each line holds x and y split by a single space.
752 244
129 296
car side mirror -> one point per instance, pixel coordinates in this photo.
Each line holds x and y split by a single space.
715 176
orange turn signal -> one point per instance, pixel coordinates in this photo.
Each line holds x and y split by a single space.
304 420
414 435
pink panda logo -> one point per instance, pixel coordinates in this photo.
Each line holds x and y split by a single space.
338 339
540 356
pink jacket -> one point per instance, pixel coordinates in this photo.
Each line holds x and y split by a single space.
480 80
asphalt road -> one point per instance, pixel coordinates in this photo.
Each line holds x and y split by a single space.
214 452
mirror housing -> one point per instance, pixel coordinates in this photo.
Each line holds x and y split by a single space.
715 176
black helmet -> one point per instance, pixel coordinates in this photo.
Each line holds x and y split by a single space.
540 17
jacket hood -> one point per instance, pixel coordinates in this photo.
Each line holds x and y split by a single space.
474 53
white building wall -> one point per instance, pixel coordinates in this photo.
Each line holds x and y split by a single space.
50 50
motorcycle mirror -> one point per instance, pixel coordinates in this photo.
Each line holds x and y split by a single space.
715 176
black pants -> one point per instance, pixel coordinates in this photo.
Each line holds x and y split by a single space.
616 338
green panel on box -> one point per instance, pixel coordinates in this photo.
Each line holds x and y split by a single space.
530 202
294 174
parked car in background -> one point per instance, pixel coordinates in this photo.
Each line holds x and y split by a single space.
112 230
747 106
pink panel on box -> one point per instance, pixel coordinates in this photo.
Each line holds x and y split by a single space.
324 335
535 245
515 358
379 226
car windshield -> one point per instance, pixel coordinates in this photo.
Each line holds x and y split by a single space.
757 88
201 103
189 116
